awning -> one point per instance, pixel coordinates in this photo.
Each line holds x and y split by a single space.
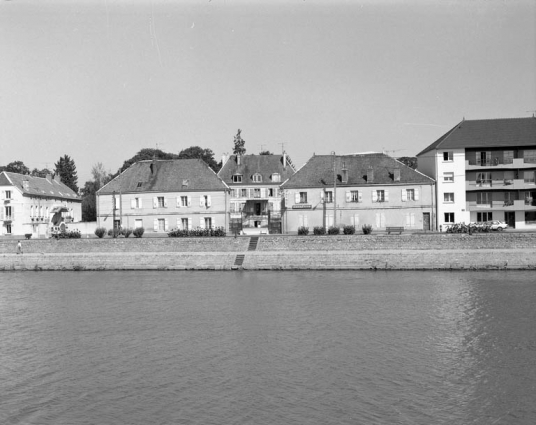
58 209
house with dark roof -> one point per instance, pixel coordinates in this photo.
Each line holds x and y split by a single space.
372 188
255 200
36 205
485 170
161 195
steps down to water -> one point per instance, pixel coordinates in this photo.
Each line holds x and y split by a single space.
239 260
253 241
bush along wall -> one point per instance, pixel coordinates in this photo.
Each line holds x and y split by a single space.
198 232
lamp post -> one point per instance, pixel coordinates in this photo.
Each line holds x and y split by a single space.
334 191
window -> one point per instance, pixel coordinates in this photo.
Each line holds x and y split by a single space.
530 217
208 222
244 193
256 193
138 223
257 178
271 192
139 184
448 177
509 198
8 215
448 197
483 198
528 177
276 177
380 195
484 216
8 228
161 224
329 197
529 155
161 202
449 217
303 197
237 178
8 194
410 194
447 156
354 196
184 223
483 179
483 158
508 157
508 177
184 201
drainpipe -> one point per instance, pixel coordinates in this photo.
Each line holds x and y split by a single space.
334 191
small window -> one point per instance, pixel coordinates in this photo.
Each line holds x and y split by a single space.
137 202
184 223
139 184
483 198
483 179
528 177
257 178
380 194
244 193
161 202
354 196
8 194
138 223
447 156
256 193
410 194
271 192
529 156
303 197
161 224
448 177
208 222
237 178
276 177
329 197
184 201
449 217
448 197
185 182
530 217
484 216
8 228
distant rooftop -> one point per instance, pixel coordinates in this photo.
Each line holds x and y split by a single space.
38 186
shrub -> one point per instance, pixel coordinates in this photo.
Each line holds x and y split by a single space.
348 230
198 232
367 229
319 230
69 234
333 230
28 235
100 231
302 230
126 232
114 232
138 232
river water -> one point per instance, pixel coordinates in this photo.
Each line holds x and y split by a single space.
268 348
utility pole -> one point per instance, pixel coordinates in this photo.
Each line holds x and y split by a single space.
334 191
113 209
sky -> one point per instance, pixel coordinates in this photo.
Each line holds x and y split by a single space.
99 80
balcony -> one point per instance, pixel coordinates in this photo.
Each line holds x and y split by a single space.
509 184
530 202
507 164
499 205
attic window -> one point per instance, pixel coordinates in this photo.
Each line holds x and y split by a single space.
139 184
185 182
257 178
237 178
276 177
370 175
396 174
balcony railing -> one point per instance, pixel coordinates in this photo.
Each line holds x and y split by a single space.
529 160
530 202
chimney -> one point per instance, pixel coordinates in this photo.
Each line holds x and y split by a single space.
344 173
57 178
370 175
49 177
224 159
238 159
284 160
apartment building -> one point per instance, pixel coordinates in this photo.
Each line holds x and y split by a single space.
485 170
371 188
161 195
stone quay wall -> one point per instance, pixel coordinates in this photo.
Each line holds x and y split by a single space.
493 251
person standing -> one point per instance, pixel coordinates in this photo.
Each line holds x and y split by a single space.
19 247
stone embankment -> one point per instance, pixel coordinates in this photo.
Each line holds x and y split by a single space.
493 251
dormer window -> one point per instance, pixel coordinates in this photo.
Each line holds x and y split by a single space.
237 178
185 182
139 184
276 178
257 178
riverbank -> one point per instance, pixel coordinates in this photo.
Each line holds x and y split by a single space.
493 251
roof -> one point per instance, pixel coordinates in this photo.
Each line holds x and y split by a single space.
173 175
38 186
318 171
500 132
265 165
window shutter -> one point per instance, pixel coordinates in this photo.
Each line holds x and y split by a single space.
404 195
374 196
408 220
189 201
201 222
209 201
232 207
213 222
276 192
300 220
263 192
140 204
201 201
166 225
348 196
165 202
386 193
3 194
356 220
132 203
155 202
378 220
178 201
416 194
412 219
330 220
359 197
382 216
305 221
297 198
179 222
322 197
155 224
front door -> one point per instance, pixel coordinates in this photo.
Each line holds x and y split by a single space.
258 208
510 219
426 221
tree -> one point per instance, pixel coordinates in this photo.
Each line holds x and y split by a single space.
265 153
205 154
146 153
239 143
100 175
17 167
66 169
41 173
89 192
410 161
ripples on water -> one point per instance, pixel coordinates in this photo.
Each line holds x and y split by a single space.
267 348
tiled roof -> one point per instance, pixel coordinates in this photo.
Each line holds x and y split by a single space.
265 165
501 132
38 186
174 175
318 171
